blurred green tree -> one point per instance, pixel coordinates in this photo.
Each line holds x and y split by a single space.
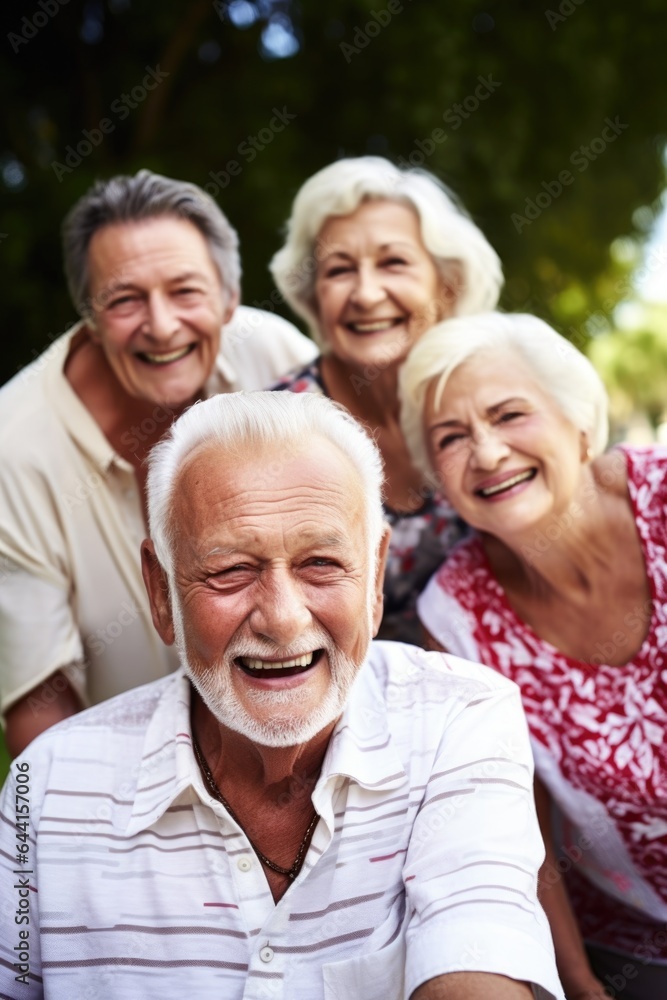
548 122
633 365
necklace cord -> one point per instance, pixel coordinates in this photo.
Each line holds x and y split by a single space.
291 872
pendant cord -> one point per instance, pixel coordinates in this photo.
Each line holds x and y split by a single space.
291 872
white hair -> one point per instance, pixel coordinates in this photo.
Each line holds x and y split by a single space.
447 231
562 371
239 421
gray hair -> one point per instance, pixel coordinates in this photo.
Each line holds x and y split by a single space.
236 422
447 231
562 371
134 199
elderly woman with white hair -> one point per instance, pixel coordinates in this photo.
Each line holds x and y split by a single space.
374 256
563 589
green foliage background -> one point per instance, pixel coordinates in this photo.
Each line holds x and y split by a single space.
562 70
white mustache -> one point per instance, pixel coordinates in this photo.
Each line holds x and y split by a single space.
254 649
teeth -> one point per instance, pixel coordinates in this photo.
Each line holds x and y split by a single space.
164 359
508 483
383 324
298 661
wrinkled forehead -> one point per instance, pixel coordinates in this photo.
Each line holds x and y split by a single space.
271 485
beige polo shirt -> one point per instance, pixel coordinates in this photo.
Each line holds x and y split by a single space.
71 521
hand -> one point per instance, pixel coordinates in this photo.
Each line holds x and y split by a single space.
594 991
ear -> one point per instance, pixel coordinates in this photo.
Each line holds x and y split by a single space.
157 587
232 299
586 451
91 327
378 595
452 286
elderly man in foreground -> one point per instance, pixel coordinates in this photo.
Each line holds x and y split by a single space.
295 814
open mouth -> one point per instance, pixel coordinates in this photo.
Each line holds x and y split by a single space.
507 484
278 668
376 326
165 358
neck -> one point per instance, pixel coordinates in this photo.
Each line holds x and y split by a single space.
237 762
369 393
132 426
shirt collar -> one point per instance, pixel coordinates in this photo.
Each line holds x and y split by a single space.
167 765
77 419
360 749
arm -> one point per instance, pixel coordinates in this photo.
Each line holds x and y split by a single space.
50 702
40 654
472 986
578 979
475 849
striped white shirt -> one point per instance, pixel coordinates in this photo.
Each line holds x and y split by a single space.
141 885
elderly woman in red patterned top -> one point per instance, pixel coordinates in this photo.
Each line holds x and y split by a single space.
374 256
563 588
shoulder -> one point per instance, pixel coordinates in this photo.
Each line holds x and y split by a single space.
31 430
639 471
107 739
465 561
408 674
303 379
259 342
643 464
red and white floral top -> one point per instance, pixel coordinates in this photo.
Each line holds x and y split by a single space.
598 731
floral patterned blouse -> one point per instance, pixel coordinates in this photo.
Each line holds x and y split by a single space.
420 539
598 731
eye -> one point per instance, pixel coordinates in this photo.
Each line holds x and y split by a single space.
448 440
232 578
394 262
229 570
123 300
505 418
337 269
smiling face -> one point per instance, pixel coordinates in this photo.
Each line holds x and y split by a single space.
377 288
274 602
506 455
158 307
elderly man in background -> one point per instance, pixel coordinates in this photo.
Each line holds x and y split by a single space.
295 814
153 269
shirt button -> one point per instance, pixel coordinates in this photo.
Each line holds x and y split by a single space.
266 954
244 864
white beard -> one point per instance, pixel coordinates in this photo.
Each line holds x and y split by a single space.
286 726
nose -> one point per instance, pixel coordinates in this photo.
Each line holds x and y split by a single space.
487 450
163 322
280 613
369 287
